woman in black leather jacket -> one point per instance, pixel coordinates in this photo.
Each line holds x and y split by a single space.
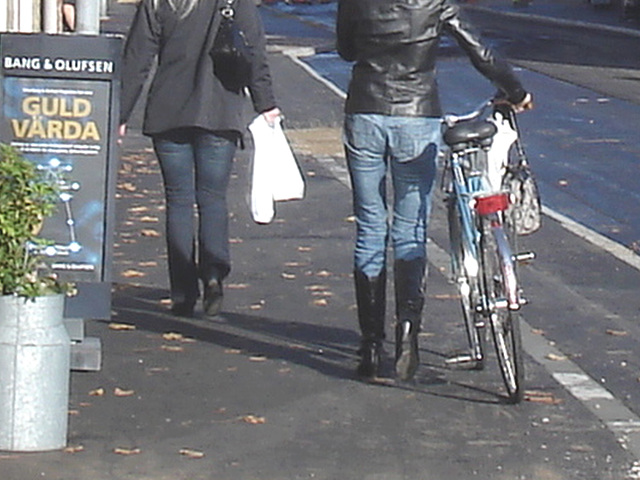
392 123
195 121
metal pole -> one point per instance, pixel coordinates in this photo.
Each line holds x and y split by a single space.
87 17
50 16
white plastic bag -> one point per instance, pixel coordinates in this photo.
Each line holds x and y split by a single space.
498 155
275 173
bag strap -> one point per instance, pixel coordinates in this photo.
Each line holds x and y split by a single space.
522 156
214 25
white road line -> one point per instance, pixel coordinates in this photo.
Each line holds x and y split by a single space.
614 248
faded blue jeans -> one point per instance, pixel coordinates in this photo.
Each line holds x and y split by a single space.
196 166
408 148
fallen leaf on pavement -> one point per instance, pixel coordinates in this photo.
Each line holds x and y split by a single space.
617 333
149 232
253 420
150 263
132 273
316 288
74 449
126 451
138 209
556 357
121 326
537 396
445 296
172 336
323 293
257 306
119 392
172 348
188 452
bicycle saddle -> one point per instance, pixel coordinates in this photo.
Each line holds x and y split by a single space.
464 132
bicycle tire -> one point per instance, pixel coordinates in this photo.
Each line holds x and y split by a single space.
504 317
468 290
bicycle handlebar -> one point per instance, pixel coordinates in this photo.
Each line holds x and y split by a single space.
450 119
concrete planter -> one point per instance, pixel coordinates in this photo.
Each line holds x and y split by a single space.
34 374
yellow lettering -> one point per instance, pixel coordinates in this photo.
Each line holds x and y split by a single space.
81 107
36 129
91 132
54 128
31 105
19 127
49 106
72 130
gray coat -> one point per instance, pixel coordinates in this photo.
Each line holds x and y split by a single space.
184 91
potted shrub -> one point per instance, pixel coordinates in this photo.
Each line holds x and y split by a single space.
34 344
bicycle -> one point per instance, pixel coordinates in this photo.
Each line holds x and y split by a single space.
482 240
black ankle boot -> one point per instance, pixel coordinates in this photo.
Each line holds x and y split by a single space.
371 300
409 289
370 360
212 299
407 349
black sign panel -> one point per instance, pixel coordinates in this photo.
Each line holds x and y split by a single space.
59 100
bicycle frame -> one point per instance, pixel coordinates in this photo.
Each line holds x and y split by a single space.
482 260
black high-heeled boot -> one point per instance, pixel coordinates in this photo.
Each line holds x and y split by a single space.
409 289
371 301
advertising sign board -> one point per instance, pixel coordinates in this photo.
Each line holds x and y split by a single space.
59 98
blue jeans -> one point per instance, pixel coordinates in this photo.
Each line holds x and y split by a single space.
408 148
196 166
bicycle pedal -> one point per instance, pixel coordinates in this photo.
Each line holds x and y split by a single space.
524 257
462 360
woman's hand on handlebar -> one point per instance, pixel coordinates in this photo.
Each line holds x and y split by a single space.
525 104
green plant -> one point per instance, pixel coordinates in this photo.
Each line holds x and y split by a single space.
26 199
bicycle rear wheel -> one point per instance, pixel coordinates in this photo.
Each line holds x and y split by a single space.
469 293
502 290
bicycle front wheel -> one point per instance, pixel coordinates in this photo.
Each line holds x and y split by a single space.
502 290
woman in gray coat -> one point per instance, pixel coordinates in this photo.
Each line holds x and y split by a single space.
195 121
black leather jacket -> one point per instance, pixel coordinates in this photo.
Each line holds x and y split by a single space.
394 45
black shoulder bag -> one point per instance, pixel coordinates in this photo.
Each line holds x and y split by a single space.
230 51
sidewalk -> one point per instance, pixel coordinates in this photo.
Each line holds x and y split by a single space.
266 390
